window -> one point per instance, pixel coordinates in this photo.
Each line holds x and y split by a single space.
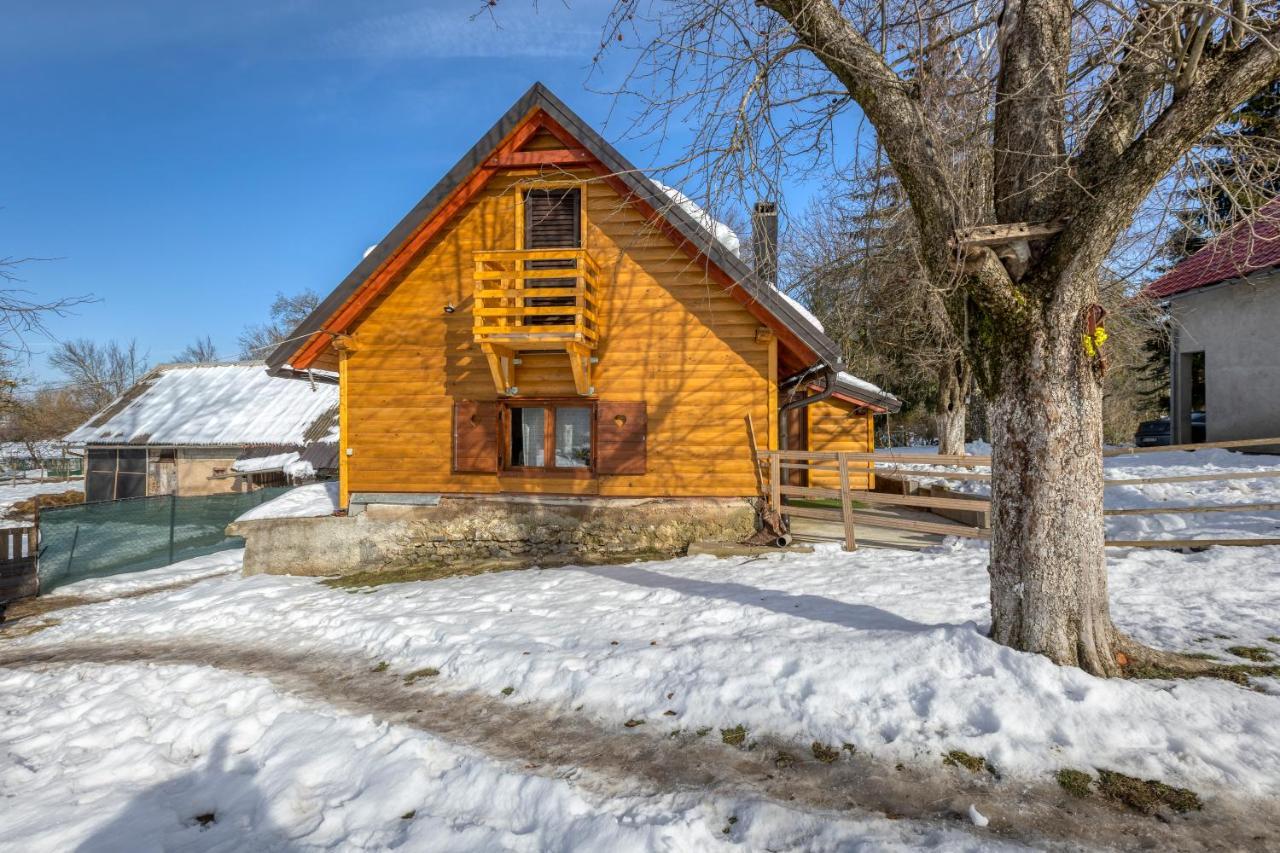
549 437
552 220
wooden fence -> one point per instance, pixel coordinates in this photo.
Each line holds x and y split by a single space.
840 505
17 563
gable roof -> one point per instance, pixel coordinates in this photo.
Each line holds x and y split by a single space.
216 405
1246 248
538 109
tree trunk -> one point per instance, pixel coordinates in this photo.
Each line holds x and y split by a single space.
952 408
1048 569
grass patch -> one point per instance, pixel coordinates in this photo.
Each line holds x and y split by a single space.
382 666
631 724
784 761
425 672
1146 796
822 752
703 732
507 691
823 503
972 763
735 736
1275 640
1236 673
12 630
409 815
1253 653
1074 782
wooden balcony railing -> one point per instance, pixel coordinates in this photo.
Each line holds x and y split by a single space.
537 300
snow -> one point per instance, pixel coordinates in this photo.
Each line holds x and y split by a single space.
725 235
127 758
850 379
368 251
19 492
220 404
977 817
131 583
806 314
273 462
880 648
313 499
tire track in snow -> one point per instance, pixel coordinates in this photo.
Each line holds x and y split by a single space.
633 761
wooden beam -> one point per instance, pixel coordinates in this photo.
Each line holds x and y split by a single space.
1204 445
996 235
1191 510
549 157
1189 543
502 366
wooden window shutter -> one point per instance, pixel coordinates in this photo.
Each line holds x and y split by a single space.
475 437
621 433
553 219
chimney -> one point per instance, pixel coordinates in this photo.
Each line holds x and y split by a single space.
764 241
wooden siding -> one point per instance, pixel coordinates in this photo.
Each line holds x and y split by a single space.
836 425
670 338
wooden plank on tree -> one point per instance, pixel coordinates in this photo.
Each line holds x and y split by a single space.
996 235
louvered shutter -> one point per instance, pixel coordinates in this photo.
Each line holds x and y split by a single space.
621 435
552 219
475 437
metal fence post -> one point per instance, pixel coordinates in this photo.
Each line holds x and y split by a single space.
75 536
173 512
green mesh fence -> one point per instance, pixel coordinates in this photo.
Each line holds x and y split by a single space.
113 537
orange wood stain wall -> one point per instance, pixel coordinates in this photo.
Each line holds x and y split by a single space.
670 337
835 425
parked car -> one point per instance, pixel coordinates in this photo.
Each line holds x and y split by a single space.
1159 432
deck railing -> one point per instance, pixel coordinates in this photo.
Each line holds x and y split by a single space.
529 299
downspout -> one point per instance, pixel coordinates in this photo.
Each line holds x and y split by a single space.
829 388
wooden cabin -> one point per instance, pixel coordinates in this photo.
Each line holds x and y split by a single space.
548 320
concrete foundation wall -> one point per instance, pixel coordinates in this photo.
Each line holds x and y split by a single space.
469 529
1237 327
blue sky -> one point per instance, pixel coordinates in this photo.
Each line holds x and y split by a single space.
184 162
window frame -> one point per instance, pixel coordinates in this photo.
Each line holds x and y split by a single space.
549 406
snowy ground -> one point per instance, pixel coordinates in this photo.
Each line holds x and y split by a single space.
130 759
880 649
11 494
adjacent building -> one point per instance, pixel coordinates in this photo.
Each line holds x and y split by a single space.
201 429
1224 310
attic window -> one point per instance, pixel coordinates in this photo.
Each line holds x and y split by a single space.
552 220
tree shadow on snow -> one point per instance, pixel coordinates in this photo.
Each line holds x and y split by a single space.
813 607
217 806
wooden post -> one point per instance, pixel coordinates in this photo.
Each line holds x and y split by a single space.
755 458
775 483
173 515
846 510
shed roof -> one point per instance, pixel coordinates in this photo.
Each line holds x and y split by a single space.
240 404
797 330
1246 248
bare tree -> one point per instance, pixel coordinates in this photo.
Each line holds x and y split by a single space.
855 256
200 351
287 312
21 316
98 373
1090 106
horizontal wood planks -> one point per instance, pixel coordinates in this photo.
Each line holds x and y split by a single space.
837 426
670 337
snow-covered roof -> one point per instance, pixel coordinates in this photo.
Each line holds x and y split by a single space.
216 404
726 235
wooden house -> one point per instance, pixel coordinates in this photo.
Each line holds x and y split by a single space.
202 429
548 320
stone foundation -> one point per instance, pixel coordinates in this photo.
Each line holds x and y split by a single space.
514 529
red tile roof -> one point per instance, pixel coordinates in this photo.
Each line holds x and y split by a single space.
1250 246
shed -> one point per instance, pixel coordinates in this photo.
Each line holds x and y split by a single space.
199 429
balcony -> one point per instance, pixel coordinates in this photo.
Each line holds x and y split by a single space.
536 300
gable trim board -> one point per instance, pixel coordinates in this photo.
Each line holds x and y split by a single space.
538 110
